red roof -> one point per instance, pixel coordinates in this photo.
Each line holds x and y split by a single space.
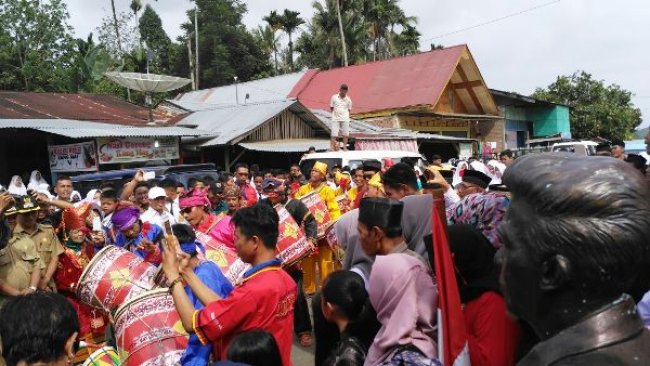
383 85
84 107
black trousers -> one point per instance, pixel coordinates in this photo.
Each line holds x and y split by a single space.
301 318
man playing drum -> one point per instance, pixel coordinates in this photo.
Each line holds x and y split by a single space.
318 183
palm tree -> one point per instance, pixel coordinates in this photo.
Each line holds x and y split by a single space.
274 21
117 27
345 51
290 22
267 38
136 6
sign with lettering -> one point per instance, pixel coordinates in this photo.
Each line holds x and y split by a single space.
73 157
118 150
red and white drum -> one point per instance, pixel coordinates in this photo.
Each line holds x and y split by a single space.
114 276
149 332
105 356
330 237
319 210
292 244
217 252
344 203
236 271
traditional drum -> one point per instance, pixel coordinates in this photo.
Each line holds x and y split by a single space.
318 209
344 203
114 276
236 271
160 279
217 252
292 244
105 356
149 332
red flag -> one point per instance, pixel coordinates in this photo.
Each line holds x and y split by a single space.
451 322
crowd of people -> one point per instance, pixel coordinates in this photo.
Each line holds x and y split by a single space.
551 254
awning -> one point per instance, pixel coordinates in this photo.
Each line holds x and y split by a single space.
84 129
286 146
442 138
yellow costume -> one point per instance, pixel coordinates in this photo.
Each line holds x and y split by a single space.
325 257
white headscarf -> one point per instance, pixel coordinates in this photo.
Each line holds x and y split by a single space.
495 171
36 181
17 188
479 166
458 179
90 196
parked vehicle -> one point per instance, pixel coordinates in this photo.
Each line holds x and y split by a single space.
578 147
181 173
355 159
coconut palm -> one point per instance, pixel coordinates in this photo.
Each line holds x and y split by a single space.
291 20
274 20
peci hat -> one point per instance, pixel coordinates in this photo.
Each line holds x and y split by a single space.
26 204
156 192
371 166
320 167
477 178
271 184
383 213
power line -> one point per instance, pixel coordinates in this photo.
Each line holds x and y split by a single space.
493 20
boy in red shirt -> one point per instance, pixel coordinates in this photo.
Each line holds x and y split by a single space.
264 298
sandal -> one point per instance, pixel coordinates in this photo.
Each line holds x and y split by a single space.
305 339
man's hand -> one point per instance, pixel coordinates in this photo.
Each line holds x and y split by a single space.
139 175
437 178
147 245
6 201
170 261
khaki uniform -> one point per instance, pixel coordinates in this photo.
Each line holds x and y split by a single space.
17 261
48 246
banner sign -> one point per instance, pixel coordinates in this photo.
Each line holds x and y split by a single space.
73 157
118 150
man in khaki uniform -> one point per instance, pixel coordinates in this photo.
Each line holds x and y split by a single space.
47 244
20 265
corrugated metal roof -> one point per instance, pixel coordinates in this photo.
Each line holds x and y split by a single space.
259 91
289 145
368 131
443 138
81 129
229 123
383 85
83 107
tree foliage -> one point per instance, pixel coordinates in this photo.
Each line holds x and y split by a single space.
597 110
156 39
373 29
36 45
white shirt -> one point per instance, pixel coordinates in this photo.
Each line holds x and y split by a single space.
341 107
174 209
646 156
154 217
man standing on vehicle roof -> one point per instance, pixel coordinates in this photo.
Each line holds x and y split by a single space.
341 107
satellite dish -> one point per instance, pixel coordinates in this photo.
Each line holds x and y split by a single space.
147 83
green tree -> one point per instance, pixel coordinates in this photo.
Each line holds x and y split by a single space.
274 20
267 39
127 40
157 40
597 110
36 45
291 20
226 48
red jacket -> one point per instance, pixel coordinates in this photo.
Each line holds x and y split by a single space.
493 334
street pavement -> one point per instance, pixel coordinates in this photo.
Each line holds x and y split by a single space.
301 356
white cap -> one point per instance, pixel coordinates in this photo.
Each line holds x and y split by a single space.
156 192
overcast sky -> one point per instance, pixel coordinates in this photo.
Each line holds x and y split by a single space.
609 39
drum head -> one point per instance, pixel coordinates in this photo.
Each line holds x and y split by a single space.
105 356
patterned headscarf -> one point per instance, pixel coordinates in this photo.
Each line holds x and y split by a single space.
195 197
125 216
484 211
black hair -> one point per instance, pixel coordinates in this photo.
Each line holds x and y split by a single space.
255 348
168 183
436 157
400 174
180 185
242 165
62 177
216 187
35 328
142 184
190 182
109 194
590 215
106 186
507 153
347 291
260 220
294 164
185 234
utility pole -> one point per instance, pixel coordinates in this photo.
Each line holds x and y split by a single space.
236 91
191 59
196 45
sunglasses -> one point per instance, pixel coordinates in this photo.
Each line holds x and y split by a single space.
186 210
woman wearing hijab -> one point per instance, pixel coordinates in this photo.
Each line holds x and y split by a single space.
16 187
483 211
495 171
492 334
461 166
37 183
405 298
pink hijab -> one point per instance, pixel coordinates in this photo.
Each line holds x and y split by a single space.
405 298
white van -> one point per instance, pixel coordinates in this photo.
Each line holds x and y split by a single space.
578 147
355 159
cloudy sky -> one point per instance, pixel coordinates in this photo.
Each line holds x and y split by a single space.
609 39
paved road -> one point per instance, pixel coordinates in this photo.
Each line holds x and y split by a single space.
301 356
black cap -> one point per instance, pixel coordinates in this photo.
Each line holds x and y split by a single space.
216 187
371 165
477 178
271 183
383 213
